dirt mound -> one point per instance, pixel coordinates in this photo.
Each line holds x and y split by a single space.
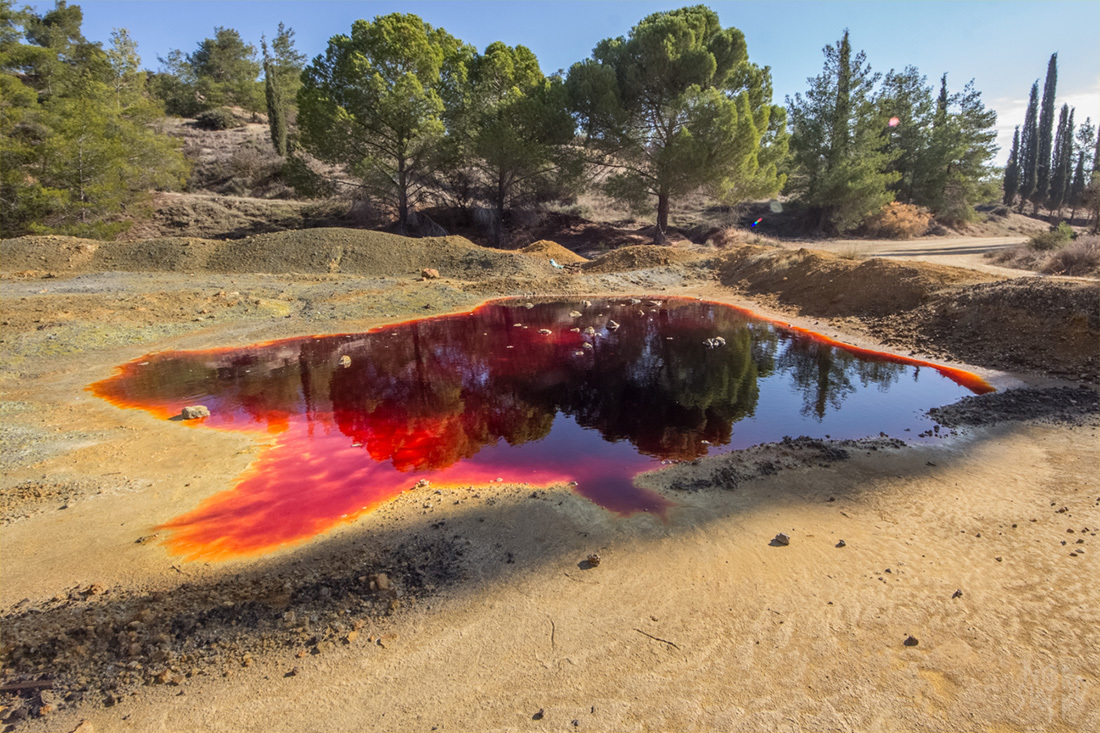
822 284
638 257
546 249
308 251
1027 324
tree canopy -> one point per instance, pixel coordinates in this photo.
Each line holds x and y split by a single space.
676 107
375 102
77 150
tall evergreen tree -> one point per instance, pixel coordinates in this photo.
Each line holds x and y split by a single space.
907 96
1063 159
1077 188
1012 170
77 149
1046 135
276 103
839 143
676 107
1029 148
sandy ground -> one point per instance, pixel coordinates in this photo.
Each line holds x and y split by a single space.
982 547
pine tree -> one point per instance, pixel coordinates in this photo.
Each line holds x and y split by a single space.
1029 146
1012 170
676 107
839 143
1063 159
1046 134
77 148
907 96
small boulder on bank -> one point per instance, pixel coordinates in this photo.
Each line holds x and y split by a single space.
194 412
782 539
429 273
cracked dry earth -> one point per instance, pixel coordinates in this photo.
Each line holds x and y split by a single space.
474 608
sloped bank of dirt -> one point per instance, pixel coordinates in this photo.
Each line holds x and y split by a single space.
322 250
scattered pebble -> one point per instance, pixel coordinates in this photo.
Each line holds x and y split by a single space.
782 539
594 560
911 641
345 361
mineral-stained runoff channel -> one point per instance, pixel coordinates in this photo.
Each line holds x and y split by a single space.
539 393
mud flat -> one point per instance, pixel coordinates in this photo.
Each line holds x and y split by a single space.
475 607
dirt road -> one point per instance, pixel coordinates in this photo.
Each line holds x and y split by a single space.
966 252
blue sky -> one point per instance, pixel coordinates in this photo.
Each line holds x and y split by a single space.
990 41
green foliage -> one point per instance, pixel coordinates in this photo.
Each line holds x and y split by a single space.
77 152
511 127
276 104
218 118
677 107
1012 170
1062 161
225 70
1056 237
375 102
1045 135
1029 146
840 144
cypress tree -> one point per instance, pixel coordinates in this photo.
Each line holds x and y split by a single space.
1077 189
1012 170
1063 159
1029 147
1046 134
276 106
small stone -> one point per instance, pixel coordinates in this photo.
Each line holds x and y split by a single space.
544 331
998 559
429 273
382 581
575 314
528 306
910 641
594 560
292 673
612 326
351 636
538 715
957 594
386 640
587 346
84 727
345 361
194 412
782 539
590 331
423 483
842 543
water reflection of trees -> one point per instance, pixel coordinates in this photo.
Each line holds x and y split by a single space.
427 394
824 375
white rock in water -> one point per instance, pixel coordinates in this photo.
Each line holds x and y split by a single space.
345 361
574 314
194 412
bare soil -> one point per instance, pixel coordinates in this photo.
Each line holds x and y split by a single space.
981 547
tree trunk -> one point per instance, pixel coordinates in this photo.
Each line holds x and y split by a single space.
498 235
662 218
402 199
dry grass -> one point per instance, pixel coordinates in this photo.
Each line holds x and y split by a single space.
1078 257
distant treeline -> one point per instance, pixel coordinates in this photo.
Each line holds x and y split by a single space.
411 116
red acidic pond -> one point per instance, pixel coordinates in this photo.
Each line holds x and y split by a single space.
543 393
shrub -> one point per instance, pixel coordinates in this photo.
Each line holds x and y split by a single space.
218 118
1055 238
1082 257
898 221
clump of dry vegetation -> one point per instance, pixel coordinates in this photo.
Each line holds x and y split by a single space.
1055 253
898 221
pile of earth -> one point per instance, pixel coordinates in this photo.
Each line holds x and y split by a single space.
824 284
323 250
549 250
640 257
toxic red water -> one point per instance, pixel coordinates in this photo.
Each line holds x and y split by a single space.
541 394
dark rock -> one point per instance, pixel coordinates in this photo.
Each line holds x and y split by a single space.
911 641
782 540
